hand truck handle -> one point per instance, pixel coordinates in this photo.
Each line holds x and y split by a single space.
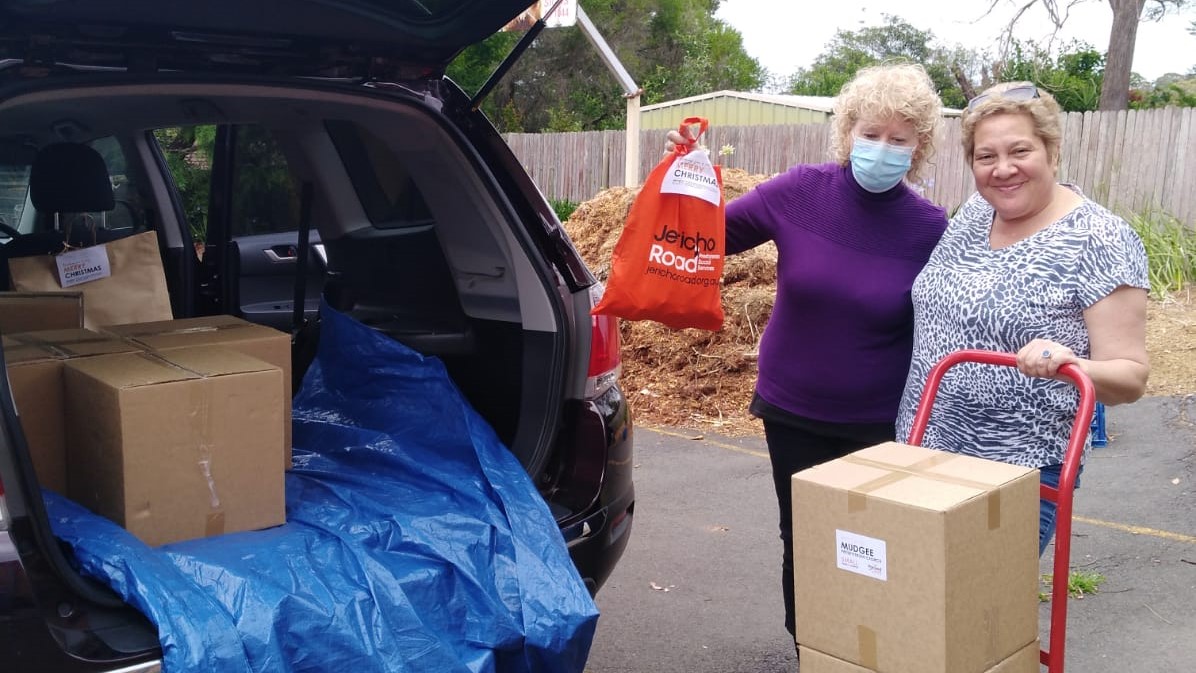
1062 496
1079 429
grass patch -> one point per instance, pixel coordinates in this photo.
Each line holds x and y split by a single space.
1080 583
563 208
1170 251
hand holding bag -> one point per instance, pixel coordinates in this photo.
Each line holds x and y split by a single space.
667 265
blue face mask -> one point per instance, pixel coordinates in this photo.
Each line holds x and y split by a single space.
877 166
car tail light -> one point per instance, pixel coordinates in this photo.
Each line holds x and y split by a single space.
605 361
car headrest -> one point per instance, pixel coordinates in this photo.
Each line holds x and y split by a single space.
70 178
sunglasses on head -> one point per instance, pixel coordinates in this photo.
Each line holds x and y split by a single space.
1017 93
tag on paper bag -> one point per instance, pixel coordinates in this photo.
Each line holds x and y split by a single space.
76 267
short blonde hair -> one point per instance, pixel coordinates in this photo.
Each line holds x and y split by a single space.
889 90
1044 112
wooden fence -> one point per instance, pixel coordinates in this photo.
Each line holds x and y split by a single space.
1130 161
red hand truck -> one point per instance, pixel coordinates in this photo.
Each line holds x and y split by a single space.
1052 658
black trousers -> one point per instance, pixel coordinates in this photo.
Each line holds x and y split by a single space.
794 444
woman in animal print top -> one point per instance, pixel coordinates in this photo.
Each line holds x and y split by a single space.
1031 266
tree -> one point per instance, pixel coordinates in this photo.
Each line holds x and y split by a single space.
894 40
188 151
672 48
1123 36
1073 77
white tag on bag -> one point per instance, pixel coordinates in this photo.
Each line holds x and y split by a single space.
692 174
76 267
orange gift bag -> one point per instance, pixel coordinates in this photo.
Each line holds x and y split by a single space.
667 265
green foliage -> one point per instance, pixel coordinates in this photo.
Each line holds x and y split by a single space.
1173 94
671 48
264 197
188 151
894 40
1080 583
563 208
1116 71
1073 76
1170 251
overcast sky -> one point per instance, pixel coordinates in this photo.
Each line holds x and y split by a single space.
784 35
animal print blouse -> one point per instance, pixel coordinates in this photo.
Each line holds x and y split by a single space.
971 296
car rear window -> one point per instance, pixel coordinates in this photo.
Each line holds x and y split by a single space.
383 184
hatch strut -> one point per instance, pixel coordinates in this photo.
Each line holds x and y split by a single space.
631 91
509 62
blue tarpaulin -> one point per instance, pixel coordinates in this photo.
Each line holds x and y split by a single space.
415 541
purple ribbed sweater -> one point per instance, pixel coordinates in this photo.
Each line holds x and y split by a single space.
837 347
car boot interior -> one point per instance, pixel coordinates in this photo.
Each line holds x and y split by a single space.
409 243
404 240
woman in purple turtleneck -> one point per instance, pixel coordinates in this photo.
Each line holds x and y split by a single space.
851 237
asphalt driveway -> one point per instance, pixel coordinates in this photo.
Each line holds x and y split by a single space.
698 590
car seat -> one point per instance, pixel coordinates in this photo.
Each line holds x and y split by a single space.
69 178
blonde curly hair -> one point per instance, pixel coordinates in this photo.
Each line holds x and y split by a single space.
889 90
1043 110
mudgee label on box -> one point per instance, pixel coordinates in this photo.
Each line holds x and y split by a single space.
861 554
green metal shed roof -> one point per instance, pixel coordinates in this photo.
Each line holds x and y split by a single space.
739 108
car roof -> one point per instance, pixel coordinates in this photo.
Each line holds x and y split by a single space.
313 37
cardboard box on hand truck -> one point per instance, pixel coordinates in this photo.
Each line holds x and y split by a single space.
910 560
179 445
1024 660
259 341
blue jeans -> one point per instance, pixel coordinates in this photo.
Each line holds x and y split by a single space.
1049 475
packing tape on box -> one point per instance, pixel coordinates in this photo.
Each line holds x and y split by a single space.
214 524
857 498
867 647
16 352
992 626
197 329
163 361
62 348
201 419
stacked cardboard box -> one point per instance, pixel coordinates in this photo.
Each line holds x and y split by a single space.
39 311
257 341
35 372
35 363
909 560
155 428
176 445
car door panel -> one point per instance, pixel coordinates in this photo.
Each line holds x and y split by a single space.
266 266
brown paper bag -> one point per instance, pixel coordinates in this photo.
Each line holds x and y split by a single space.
134 292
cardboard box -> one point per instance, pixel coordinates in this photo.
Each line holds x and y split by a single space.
261 342
177 446
37 311
1024 660
35 375
34 362
908 560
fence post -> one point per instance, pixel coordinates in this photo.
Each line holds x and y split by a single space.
631 164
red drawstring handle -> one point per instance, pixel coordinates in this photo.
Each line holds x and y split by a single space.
686 131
